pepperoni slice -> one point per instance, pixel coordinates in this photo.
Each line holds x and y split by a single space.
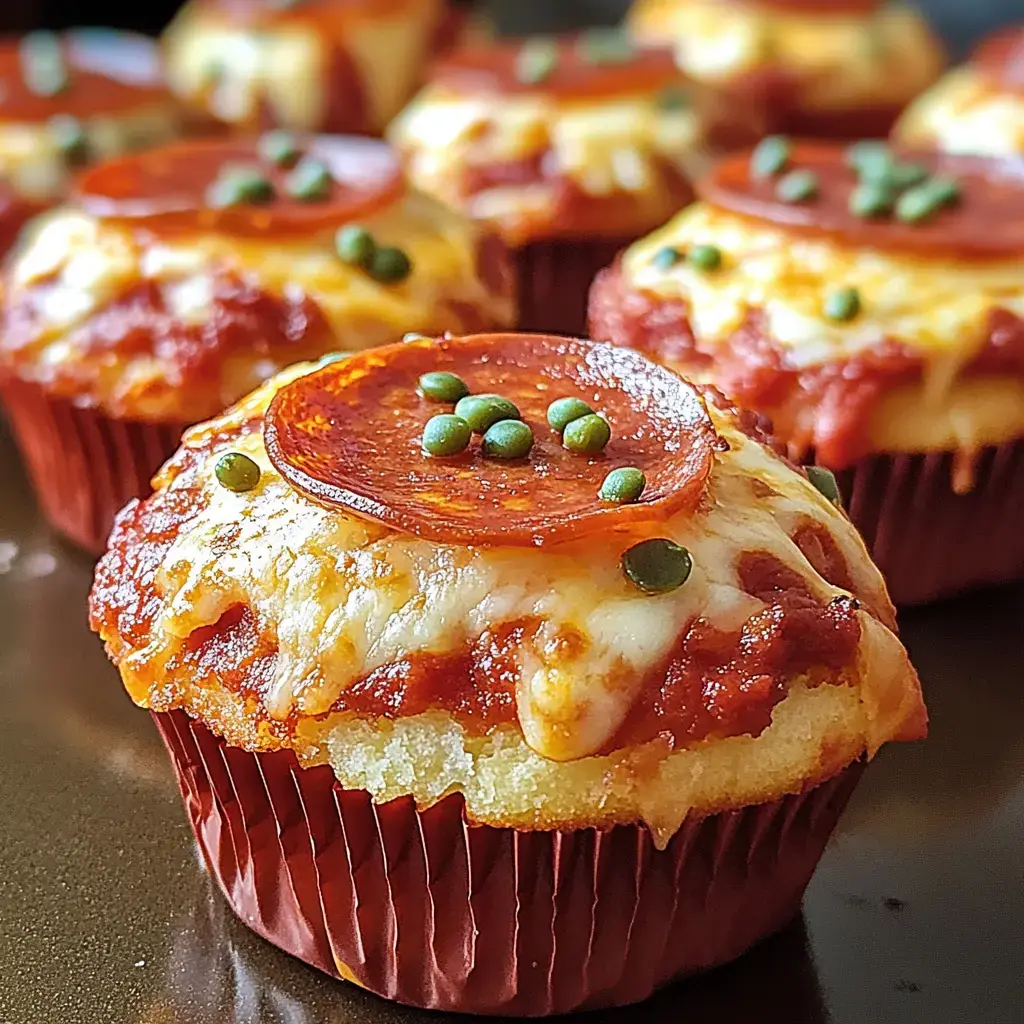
571 74
93 85
1000 58
348 436
986 223
171 185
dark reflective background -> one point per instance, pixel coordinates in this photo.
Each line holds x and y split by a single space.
106 917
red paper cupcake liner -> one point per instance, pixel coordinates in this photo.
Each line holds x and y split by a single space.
553 281
423 908
929 541
83 465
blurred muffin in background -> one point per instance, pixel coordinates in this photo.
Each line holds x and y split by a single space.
977 108
837 68
178 279
871 303
67 101
313 65
568 147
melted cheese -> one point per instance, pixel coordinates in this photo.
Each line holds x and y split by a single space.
232 69
610 147
842 60
965 113
32 162
344 596
79 265
939 308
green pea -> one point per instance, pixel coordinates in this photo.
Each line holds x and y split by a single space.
945 190
843 304
237 472
605 46
673 99
825 482
279 147
904 176
389 265
481 412
562 411
704 257
657 566
311 180
507 439
238 185
920 203
43 67
69 136
588 435
871 199
446 435
770 157
623 486
797 187
536 60
869 158
355 245
443 387
666 257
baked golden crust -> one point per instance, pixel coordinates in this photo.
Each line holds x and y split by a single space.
931 362
327 66
422 667
820 69
170 323
592 150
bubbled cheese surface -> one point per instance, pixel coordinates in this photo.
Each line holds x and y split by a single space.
841 60
965 113
75 265
937 307
610 147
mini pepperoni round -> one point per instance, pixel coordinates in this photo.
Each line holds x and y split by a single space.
982 219
177 185
1000 58
349 437
597 64
46 74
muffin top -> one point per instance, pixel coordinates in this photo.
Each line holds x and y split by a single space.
578 136
866 299
178 279
312 65
502 619
68 99
977 108
823 56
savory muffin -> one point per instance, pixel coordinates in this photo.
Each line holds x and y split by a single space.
176 280
872 304
69 100
568 148
516 640
838 68
977 108
310 65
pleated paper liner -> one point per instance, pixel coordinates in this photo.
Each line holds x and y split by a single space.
930 541
553 279
425 909
84 466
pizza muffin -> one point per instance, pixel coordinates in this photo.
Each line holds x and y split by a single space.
309 65
177 280
872 304
506 673
838 68
568 148
977 108
69 100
